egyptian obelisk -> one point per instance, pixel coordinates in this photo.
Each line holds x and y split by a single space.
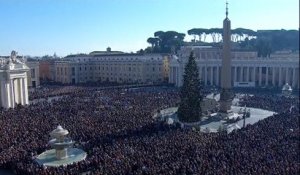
226 97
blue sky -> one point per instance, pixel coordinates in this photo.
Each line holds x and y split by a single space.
40 27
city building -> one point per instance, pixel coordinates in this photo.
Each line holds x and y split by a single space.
33 73
112 67
247 70
46 70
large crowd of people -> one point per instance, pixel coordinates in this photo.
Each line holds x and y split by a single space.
117 130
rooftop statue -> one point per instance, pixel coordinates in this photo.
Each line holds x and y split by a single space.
13 58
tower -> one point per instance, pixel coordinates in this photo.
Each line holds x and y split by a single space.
226 95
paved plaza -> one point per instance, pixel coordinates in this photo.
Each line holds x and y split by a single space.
212 124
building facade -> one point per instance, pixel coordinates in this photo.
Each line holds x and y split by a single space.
247 70
33 73
117 67
46 70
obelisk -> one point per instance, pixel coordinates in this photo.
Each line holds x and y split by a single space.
226 97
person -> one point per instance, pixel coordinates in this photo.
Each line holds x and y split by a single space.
123 140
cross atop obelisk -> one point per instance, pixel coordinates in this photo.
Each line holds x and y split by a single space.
226 9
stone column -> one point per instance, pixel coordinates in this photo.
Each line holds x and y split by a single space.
6 94
254 74
211 75
21 86
218 73
247 74
25 91
241 74
267 76
286 75
171 75
12 93
294 78
16 91
199 72
177 75
3 94
273 76
298 78
260 75
235 73
205 72
280 77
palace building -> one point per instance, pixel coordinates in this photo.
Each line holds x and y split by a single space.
112 67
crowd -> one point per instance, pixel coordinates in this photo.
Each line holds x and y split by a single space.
116 129
52 91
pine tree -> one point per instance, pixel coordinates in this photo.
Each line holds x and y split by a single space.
189 109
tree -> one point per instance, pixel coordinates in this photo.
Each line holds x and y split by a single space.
165 41
153 41
264 47
189 109
193 32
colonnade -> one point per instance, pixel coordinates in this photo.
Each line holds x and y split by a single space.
261 75
14 91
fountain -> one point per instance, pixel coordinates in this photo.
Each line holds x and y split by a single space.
62 153
60 143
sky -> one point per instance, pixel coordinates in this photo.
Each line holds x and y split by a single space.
45 27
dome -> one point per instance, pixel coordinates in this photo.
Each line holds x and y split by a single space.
287 87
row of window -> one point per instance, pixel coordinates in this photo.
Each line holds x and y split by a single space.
112 59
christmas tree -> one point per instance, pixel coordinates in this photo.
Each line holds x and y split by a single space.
189 109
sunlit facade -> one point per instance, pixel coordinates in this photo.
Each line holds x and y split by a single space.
121 68
247 69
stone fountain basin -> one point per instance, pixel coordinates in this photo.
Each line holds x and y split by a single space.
48 158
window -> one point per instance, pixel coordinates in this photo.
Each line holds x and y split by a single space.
32 73
73 70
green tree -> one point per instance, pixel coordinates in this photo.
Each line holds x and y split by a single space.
169 40
189 108
194 33
153 41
